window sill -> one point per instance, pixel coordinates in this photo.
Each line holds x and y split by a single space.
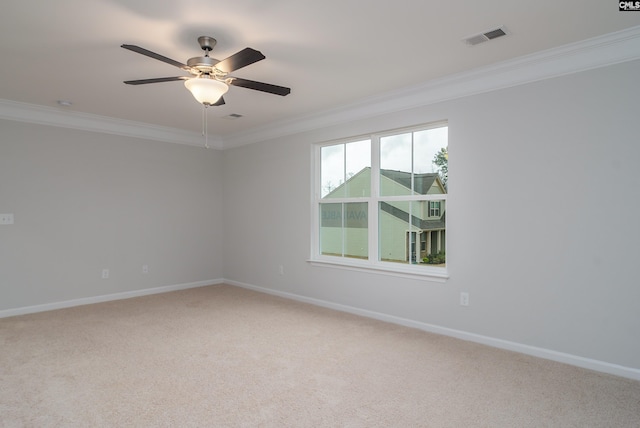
424 273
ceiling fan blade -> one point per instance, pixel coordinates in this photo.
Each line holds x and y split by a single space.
240 59
259 86
156 80
154 55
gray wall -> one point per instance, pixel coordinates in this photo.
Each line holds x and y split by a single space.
85 201
542 218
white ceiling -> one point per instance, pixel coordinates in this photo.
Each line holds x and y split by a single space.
331 53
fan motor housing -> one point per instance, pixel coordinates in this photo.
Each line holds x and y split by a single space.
204 64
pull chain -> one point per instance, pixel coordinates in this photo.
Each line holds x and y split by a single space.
205 128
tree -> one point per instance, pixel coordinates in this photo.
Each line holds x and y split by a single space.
441 160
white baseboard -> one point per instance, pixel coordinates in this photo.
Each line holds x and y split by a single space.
104 298
548 354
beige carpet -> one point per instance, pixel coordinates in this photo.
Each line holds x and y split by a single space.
222 356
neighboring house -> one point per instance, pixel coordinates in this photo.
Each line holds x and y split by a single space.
409 231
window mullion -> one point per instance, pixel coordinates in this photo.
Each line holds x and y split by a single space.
374 232
375 166
343 232
316 191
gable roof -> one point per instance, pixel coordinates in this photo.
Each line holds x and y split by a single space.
422 182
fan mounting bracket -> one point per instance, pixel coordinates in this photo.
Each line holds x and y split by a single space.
207 43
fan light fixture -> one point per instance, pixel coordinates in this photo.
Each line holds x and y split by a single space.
206 90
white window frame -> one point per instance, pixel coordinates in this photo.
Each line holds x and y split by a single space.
373 264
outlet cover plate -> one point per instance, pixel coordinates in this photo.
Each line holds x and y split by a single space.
464 298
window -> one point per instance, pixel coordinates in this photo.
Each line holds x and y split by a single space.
380 201
434 209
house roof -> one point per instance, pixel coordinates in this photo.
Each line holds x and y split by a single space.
422 182
437 224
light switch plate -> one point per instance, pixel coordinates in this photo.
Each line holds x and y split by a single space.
6 218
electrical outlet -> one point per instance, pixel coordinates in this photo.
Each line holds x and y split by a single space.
6 218
105 273
464 298
145 268
281 270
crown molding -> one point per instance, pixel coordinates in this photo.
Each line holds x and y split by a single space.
610 49
41 115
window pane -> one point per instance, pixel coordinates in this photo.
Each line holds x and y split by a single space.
344 230
430 155
433 233
331 229
413 232
332 170
356 232
358 169
345 170
395 241
414 163
395 165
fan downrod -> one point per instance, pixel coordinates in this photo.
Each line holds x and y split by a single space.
204 64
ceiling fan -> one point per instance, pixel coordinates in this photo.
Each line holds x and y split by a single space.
210 78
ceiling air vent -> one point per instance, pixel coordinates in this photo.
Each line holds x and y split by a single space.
485 37
232 116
